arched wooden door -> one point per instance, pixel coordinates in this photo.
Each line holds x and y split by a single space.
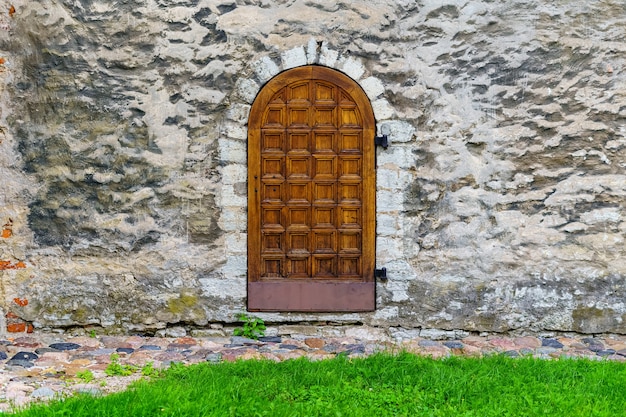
311 194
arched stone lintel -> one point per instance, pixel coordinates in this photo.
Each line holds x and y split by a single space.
317 53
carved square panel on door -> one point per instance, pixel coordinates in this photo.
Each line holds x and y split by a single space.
273 141
298 167
324 167
272 217
324 142
298 142
298 216
324 216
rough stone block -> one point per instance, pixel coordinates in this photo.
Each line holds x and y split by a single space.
382 109
368 333
233 174
389 247
398 131
233 150
388 177
398 290
383 316
603 215
297 330
387 225
389 201
232 287
311 51
234 130
233 218
328 57
235 266
236 243
246 89
238 113
396 157
314 342
436 334
353 68
293 58
400 270
265 69
172 332
373 87
400 334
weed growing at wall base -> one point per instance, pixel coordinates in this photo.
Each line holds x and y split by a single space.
115 368
380 385
253 327
85 375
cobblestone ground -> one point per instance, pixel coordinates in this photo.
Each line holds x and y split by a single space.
39 367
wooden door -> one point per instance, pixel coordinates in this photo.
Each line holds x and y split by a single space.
311 194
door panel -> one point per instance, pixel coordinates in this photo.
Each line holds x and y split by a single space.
311 194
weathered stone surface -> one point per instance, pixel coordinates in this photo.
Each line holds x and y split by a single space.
314 342
504 344
551 343
17 393
43 393
500 200
27 356
20 362
150 347
453 344
527 342
49 357
271 339
27 342
65 346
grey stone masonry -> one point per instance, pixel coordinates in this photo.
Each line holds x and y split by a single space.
123 159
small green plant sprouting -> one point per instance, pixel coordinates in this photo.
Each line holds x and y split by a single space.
92 334
85 375
149 370
253 327
116 368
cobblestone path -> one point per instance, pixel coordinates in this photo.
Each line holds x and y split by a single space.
39 367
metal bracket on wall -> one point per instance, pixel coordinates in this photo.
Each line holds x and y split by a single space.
381 274
382 140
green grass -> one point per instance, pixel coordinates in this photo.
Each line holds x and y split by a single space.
380 385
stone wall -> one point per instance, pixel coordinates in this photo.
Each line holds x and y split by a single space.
123 158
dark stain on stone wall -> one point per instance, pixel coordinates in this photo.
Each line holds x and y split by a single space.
80 135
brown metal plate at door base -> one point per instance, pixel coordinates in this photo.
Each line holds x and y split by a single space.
311 296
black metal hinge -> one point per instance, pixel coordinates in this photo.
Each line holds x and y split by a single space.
381 274
381 140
